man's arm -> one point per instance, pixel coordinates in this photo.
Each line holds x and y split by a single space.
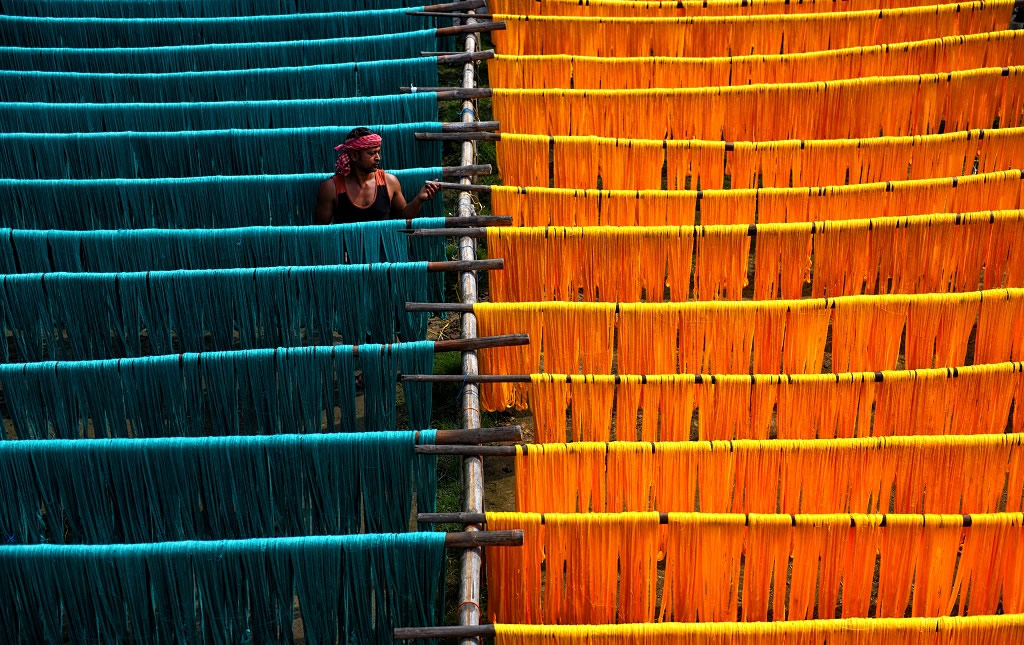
402 210
324 212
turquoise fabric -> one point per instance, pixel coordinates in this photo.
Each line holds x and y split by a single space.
79 316
155 490
351 589
184 8
190 202
247 392
219 115
221 56
379 77
109 155
97 251
27 31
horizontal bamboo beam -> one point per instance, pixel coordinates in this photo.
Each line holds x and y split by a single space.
466 450
481 342
445 58
454 307
481 518
461 223
454 631
464 436
462 5
473 539
450 93
472 28
471 126
467 171
449 14
457 136
451 266
476 232
468 188
476 378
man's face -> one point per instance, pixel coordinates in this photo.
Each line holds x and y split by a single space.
366 160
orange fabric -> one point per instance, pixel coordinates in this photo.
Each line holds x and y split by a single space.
917 104
737 35
776 476
603 568
775 336
532 206
977 400
946 54
688 7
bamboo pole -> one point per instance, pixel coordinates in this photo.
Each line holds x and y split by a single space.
477 378
476 233
453 266
463 436
476 126
466 451
473 344
449 93
457 136
471 28
454 307
462 5
447 14
467 171
476 539
466 223
469 188
445 58
472 561
455 631
481 518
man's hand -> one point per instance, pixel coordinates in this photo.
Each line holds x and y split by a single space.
428 191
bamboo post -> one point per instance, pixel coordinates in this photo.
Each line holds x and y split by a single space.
476 126
466 223
473 344
476 378
472 632
471 564
449 93
466 187
477 232
471 452
457 136
444 58
463 5
467 171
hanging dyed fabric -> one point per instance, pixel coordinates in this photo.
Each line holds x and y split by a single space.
969 400
26 31
872 475
768 112
850 631
357 587
114 155
218 56
61 315
97 251
741 34
215 115
604 568
159 490
216 393
946 54
182 8
185 202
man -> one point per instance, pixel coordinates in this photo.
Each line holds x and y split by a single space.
359 191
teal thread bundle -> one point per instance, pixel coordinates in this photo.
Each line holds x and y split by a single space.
379 77
193 202
80 316
108 155
157 490
350 589
184 8
75 118
101 251
27 31
220 56
303 390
